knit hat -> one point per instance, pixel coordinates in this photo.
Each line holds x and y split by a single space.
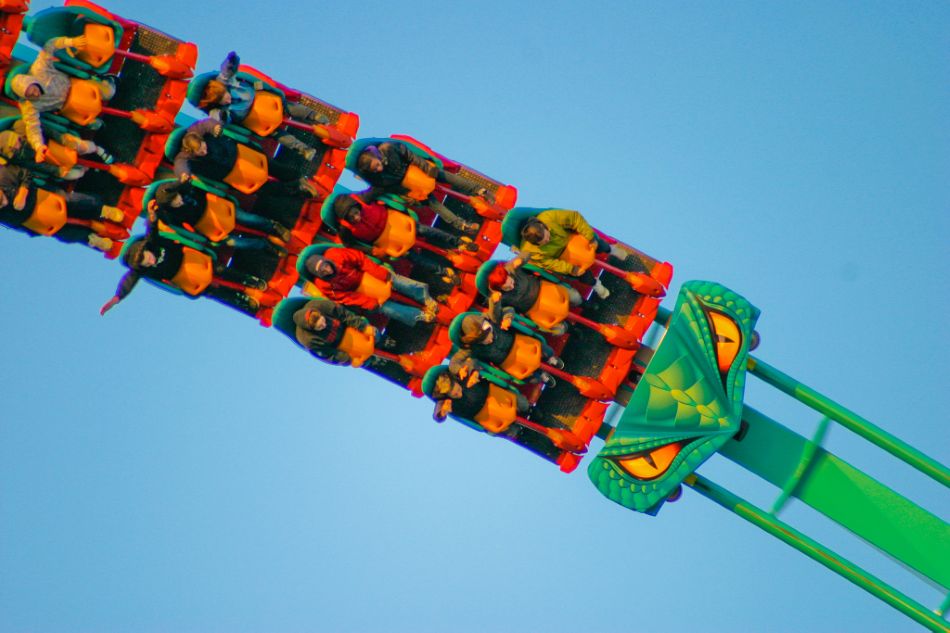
497 277
314 261
474 328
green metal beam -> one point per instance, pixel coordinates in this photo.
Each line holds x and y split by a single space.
816 551
850 420
890 522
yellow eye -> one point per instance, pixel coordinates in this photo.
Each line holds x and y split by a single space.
728 339
651 464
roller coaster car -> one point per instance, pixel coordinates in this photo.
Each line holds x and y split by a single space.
197 273
499 417
417 348
688 403
420 186
151 70
603 348
359 344
269 116
218 219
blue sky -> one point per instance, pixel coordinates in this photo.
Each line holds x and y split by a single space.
175 467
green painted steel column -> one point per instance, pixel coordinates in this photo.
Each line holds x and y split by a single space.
818 552
850 420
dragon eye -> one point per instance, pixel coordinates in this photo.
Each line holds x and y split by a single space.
652 463
728 339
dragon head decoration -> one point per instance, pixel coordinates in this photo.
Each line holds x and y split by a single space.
687 404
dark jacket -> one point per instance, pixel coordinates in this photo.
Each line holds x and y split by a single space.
396 157
169 256
194 200
522 297
472 400
323 343
217 163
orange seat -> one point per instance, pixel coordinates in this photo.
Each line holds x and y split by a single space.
524 357
100 44
579 252
398 235
552 305
218 219
375 288
49 213
266 115
419 183
60 155
83 102
359 344
195 273
249 172
499 411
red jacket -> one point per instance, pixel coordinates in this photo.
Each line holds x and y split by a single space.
351 265
372 222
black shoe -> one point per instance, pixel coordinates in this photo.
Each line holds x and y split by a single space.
389 343
556 362
547 379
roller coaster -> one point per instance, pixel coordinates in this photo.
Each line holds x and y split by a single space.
562 346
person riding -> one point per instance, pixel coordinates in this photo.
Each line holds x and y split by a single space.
44 88
228 98
515 290
545 236
205 148
18 200
16 150
320 327
384 166
160 257
338 273
365 221
466 398
182 203
486 341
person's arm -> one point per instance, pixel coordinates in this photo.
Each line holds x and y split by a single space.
572 220
372 194
229 67
182 165
348 318
461 363
205 127
126 285
45 59
541 260
424 164
33 128
369 266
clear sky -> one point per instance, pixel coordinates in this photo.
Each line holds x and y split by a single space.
175 467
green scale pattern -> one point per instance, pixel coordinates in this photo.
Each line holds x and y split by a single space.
682 397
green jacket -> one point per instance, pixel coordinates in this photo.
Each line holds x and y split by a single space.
562 224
